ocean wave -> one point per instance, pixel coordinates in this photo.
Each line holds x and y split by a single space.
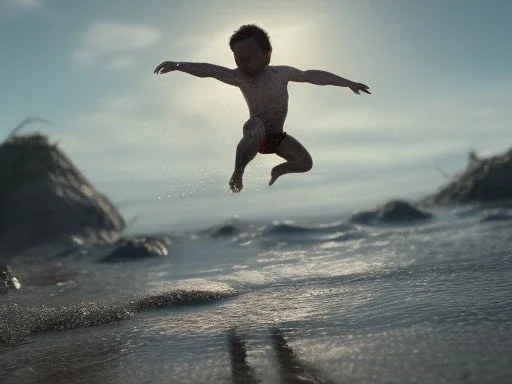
282 233
18 322
497 216
225 230
290 228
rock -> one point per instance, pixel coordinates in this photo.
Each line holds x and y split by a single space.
392 211
8 281
44 197
138 249
484 180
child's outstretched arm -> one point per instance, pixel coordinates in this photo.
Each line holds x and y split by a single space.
318 77
226 75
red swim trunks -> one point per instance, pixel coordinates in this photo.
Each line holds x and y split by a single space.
271 142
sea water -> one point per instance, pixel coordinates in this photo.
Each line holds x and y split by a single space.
271 297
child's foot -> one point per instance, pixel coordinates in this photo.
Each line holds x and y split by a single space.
273 177
235 183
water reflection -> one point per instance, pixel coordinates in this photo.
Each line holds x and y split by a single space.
291 369
109 358
240 369
76 360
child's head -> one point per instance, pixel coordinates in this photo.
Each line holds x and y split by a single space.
252 49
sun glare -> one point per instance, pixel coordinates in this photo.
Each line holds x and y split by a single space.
213 99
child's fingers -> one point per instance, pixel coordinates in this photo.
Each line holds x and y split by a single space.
159 69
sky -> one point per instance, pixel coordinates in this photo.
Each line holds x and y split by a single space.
439 72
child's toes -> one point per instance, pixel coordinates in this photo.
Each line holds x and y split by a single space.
235 185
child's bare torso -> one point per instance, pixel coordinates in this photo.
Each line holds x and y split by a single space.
267 97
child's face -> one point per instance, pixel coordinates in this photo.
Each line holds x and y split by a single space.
249 57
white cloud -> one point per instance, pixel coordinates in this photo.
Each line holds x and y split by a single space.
140 134
121 103
109 36
13 8
120 63
108 39
362 120
25 4
388 154
109 143
84 56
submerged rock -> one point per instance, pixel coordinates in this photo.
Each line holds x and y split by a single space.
138 249
44 197
484 180
8 281
392 211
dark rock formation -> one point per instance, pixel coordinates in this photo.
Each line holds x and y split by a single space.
44 197
392 211
138 249
8 281
483 180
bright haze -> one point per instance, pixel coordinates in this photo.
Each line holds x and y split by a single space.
163 146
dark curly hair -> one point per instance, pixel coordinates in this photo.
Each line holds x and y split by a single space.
247 31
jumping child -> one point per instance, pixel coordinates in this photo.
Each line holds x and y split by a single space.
264 88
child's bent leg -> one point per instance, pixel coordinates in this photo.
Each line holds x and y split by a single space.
298 159
254 134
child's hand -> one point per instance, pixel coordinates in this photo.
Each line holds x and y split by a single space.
166 66
356 87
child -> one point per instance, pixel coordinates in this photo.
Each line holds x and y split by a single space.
264 88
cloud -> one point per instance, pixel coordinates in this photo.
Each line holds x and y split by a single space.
387 154
140 134
109 143
25 4
121 103
12 8
108 36
120 63
84 56
110 39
